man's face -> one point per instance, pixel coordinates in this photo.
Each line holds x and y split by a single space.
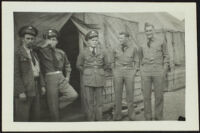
53 41
93 41
122 39
149 31
28 40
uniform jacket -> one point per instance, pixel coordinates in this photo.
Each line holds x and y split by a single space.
157 53
23 74
128 58
63 62
47 64
154 58
93 67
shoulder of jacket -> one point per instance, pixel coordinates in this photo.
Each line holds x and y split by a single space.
101 48
116 48
18 50
60 51
84 50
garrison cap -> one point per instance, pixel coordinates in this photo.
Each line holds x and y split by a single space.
50 33
91 34
28 30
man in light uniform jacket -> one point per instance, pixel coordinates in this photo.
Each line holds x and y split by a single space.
125 65
154 65
92 62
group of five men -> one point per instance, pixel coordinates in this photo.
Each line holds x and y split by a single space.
45 69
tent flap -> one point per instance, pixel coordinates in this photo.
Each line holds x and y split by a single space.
42 21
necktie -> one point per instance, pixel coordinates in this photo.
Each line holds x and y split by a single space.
55 60
32 57
123 47
93 51
149 42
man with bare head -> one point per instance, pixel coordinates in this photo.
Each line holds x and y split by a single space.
125 65
154 65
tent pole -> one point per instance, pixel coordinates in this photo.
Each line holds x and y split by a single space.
173 61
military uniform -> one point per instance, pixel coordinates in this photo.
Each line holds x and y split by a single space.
125 65
154 56
27 80
55 68
92 67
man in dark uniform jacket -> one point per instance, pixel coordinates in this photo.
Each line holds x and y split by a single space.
125 65
56 69
92 62
27 78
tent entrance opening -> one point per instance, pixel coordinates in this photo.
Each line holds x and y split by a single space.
69 43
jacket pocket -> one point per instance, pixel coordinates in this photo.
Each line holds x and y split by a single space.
24 59
25 64
157 47
101 72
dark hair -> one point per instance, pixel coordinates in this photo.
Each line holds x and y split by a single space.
126 34
147 25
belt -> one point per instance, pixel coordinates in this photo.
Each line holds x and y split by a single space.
94 67
124 67
52 73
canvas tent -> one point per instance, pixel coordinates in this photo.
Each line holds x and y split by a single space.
72 28
168 27
107 25
173 31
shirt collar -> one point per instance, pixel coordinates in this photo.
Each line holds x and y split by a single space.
126 46
91 48
152 39
27 49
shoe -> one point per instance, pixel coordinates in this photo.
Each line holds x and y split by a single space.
117 118
132 117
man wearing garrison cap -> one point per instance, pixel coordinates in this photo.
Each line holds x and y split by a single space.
125 65
92 61
154 60
56 70
28 82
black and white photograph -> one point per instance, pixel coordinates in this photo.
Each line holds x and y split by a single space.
100 67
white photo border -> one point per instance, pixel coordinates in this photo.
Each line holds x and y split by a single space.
191 91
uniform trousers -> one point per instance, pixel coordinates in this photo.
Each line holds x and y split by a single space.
93 104
153 75
124 76
29 109
59 94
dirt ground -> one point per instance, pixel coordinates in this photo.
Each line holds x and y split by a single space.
174 106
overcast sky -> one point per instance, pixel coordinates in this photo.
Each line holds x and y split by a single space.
179 15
